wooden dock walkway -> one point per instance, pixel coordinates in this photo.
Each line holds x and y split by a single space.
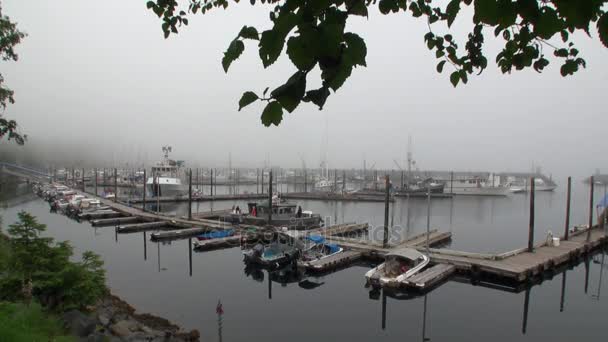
431 277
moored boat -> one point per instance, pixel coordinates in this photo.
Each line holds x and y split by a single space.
398 266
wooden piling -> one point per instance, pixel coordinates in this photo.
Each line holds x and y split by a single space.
428 217
270 196
305 181
84 188
190 244
145 247
115 185
143 200
211 181
343 180
190 198
531 226
591 184
568 195
96 182
386 208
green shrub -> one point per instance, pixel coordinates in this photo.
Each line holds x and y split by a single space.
22 323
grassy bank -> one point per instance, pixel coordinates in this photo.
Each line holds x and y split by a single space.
22 323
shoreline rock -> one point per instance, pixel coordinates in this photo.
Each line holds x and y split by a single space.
116 320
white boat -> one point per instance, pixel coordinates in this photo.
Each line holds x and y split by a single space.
477 187
543 185
324 185
165 179
398 266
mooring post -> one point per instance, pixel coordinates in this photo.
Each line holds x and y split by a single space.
428 217
96 182
563 293
143 200
531 226
386 207
84 189
343 180
115 185
524 325
145 247
190 247
568 194
591 183
270 197
451 182
211 182
190 197
305 181
335 180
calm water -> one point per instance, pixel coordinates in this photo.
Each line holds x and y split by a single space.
259 306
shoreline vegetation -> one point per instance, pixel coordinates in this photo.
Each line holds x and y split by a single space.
44 296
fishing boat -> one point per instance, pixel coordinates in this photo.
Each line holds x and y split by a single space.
165 179
478 187
398 266
282 250
317 248
421 187
284 214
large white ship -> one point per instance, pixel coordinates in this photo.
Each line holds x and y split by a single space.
165 181
477 187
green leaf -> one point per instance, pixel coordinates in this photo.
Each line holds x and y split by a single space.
387 6
150 4
272 41
561 53
455 78
452 11
317 96
356 51
602 29
356 7
249 32
235 50
486 11
303 49
272 114
507 13
440 66
248 98
547 24
336 75
291 93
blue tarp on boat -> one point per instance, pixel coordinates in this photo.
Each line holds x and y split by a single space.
333 248
217 234
316 238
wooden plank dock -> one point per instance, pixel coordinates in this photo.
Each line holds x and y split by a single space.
140 227
115 221
430 277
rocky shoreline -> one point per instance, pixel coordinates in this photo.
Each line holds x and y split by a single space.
114 320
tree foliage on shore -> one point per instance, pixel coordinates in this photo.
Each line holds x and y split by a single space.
312 32
36 267
10 36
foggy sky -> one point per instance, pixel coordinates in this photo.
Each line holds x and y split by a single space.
99 77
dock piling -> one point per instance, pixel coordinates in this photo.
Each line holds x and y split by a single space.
531 226
115 185
84 189
95 182
190 198
568 194
428 217
143 200
591 184
386 208
270 196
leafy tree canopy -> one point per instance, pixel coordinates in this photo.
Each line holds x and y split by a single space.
9 37
312 32
55 280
